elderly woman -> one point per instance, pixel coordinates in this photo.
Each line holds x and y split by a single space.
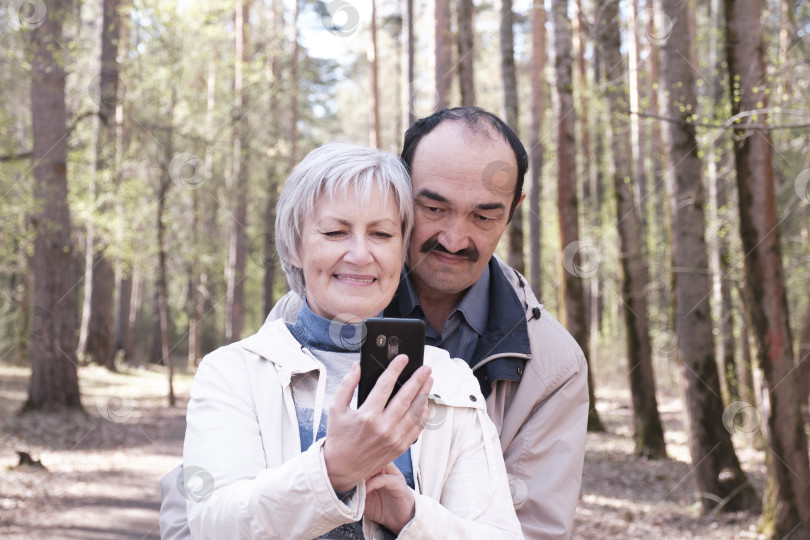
274 440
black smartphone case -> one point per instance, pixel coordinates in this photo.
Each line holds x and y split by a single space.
385 339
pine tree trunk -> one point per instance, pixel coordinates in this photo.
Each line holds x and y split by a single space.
237 252
716 470
54 381
444 57
466 52
514 256
787 505
408 114
567 201
161 285
376 141
124 287
538 108
649 433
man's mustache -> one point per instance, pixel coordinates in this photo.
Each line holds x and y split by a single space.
433 244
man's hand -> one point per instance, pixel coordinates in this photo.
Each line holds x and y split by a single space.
360 443
389 500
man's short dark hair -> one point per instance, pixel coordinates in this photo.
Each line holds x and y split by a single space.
476 120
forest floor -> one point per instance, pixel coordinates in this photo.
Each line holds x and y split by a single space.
102 469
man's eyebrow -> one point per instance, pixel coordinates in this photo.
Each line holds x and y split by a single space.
432 195
490 206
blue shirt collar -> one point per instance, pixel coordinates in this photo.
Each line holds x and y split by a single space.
474 306
503 319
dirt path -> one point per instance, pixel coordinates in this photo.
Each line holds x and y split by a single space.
103 468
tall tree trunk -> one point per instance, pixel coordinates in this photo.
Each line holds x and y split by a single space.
716 470
376 142
408 113
161 285
466 52
567 201
54 381
538 109
124 287
590 218
787 499
123 276
444 52
633 55
100 344
649 433
269 252
718 196
237 252
292 133
129 335
514 256
201 249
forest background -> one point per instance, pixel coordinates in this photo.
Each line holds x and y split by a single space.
144 144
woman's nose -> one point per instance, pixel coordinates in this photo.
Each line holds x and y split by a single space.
359 252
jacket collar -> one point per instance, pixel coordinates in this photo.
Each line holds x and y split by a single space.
502 350
275 343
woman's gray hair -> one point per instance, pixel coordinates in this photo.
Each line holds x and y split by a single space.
325 172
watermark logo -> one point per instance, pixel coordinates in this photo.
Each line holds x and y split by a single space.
115 409
802 185
741 418
582 258
655 26
424 99
499 177
106 91
41 325
343 18
262 249
429 416
187 171
665 343
196 484
347 331
29 14
519 491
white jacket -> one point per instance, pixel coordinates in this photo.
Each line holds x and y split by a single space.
242 449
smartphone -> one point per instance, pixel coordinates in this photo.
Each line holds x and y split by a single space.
385 339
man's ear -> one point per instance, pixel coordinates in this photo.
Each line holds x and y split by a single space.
520 200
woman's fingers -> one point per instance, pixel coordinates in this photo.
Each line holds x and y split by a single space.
420 383
379 395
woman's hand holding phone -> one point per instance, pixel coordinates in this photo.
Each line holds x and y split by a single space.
360 442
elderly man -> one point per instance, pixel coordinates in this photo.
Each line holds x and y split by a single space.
467 168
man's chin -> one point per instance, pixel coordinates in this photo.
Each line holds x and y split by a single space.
443 279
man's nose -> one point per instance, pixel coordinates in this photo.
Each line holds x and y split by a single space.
455 237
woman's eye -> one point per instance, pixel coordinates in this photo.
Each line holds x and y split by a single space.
383 235
334 234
